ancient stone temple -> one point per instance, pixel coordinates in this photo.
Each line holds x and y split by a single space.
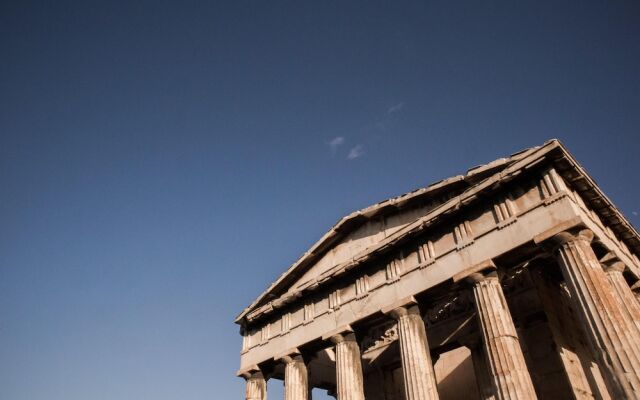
517 280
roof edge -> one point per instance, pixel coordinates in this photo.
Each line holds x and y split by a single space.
472 177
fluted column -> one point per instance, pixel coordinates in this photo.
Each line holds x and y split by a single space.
417 368
296 376
348 367
630 306
509 373
558 318
612 340
256 385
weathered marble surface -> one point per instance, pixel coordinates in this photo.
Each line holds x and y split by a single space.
487 261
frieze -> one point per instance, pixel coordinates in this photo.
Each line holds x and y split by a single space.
393 271
463 235
550 186
427 254
456 304
379 336
516 279
505 212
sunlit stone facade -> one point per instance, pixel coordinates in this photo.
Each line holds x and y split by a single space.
515 281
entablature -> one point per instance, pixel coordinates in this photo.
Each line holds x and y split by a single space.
409 272
564 170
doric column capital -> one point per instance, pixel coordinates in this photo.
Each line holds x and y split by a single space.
565 237
342 334
252 372
611 263
290 356
402 308
477 277
256 388
477 273
615 267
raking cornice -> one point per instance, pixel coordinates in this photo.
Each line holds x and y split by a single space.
477 181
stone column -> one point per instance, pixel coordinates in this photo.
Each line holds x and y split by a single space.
560 323
348 366
509 373
615 345
630 306
417 368
256 385
296 376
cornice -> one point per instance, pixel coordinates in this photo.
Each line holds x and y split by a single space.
508 169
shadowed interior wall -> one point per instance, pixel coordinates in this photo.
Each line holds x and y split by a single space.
455 376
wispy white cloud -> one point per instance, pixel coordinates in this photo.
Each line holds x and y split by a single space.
395 108
355 152
335 143
634 213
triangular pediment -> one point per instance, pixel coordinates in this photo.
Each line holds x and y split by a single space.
366 230
356 233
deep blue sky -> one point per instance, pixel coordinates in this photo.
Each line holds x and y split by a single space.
162 163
